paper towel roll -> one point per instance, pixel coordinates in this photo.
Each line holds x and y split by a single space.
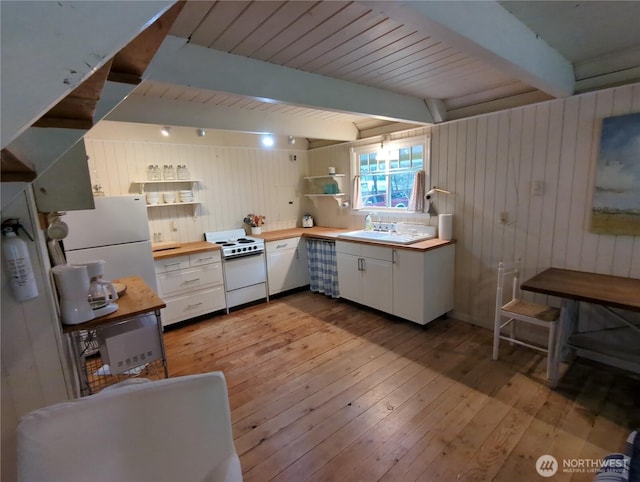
445 226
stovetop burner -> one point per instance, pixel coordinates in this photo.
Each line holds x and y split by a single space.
235 243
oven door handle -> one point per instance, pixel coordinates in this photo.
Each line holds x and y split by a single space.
243 255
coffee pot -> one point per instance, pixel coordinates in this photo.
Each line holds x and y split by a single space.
101 292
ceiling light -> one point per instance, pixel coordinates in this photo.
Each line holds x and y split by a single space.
201 132
267 140
292 140
165 131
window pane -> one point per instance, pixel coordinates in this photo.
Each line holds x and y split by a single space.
417 161
387 183
405 154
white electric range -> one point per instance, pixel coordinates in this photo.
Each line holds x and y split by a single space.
244 266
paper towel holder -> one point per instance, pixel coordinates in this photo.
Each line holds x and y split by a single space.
431 210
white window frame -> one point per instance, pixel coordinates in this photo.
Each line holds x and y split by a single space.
356 151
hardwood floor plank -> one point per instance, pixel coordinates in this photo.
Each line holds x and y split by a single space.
380 408
460 449
355 391
323 389
374 460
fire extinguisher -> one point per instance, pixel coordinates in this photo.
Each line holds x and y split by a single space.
17 262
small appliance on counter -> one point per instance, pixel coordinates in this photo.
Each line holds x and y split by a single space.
307 221
83 297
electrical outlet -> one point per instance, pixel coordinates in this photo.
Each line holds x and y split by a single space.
293 157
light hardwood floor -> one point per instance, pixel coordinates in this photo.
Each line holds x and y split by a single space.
325 390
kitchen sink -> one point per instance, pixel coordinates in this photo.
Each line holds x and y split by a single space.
390 237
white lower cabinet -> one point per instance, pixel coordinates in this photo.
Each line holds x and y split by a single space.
364 274
415 285
287 264
190 285
423 283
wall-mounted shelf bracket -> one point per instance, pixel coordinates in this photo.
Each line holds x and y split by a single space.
337 197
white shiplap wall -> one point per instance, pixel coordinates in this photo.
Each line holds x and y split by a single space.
234 180
491 163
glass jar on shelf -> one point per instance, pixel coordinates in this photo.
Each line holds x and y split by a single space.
169 172
153 173
183 172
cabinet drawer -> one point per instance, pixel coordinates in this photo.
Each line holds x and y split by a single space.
190 279
172 264
365 250
283 244
195 304
207 257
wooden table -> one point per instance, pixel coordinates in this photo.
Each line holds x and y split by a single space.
605 291
138 300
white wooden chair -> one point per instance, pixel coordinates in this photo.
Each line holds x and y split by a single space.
517 309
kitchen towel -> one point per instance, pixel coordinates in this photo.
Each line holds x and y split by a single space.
445 226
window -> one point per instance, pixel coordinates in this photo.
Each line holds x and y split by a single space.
386 175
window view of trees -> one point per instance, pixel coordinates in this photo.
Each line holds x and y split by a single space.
386 180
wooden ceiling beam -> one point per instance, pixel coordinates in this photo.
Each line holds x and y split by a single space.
487 31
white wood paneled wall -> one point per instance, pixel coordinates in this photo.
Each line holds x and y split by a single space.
33 368
233 182
492 162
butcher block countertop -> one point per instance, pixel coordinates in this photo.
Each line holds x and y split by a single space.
138 299
185 248
315 232
332 235
320 232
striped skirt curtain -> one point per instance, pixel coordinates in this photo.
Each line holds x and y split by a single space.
323 267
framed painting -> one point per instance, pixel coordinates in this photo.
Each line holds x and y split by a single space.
616 197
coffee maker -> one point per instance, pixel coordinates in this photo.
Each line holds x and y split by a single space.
82 292
101 292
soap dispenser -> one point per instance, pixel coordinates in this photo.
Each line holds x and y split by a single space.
368 223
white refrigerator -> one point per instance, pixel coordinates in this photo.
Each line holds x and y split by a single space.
117 230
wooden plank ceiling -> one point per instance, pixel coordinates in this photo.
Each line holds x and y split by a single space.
363 44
